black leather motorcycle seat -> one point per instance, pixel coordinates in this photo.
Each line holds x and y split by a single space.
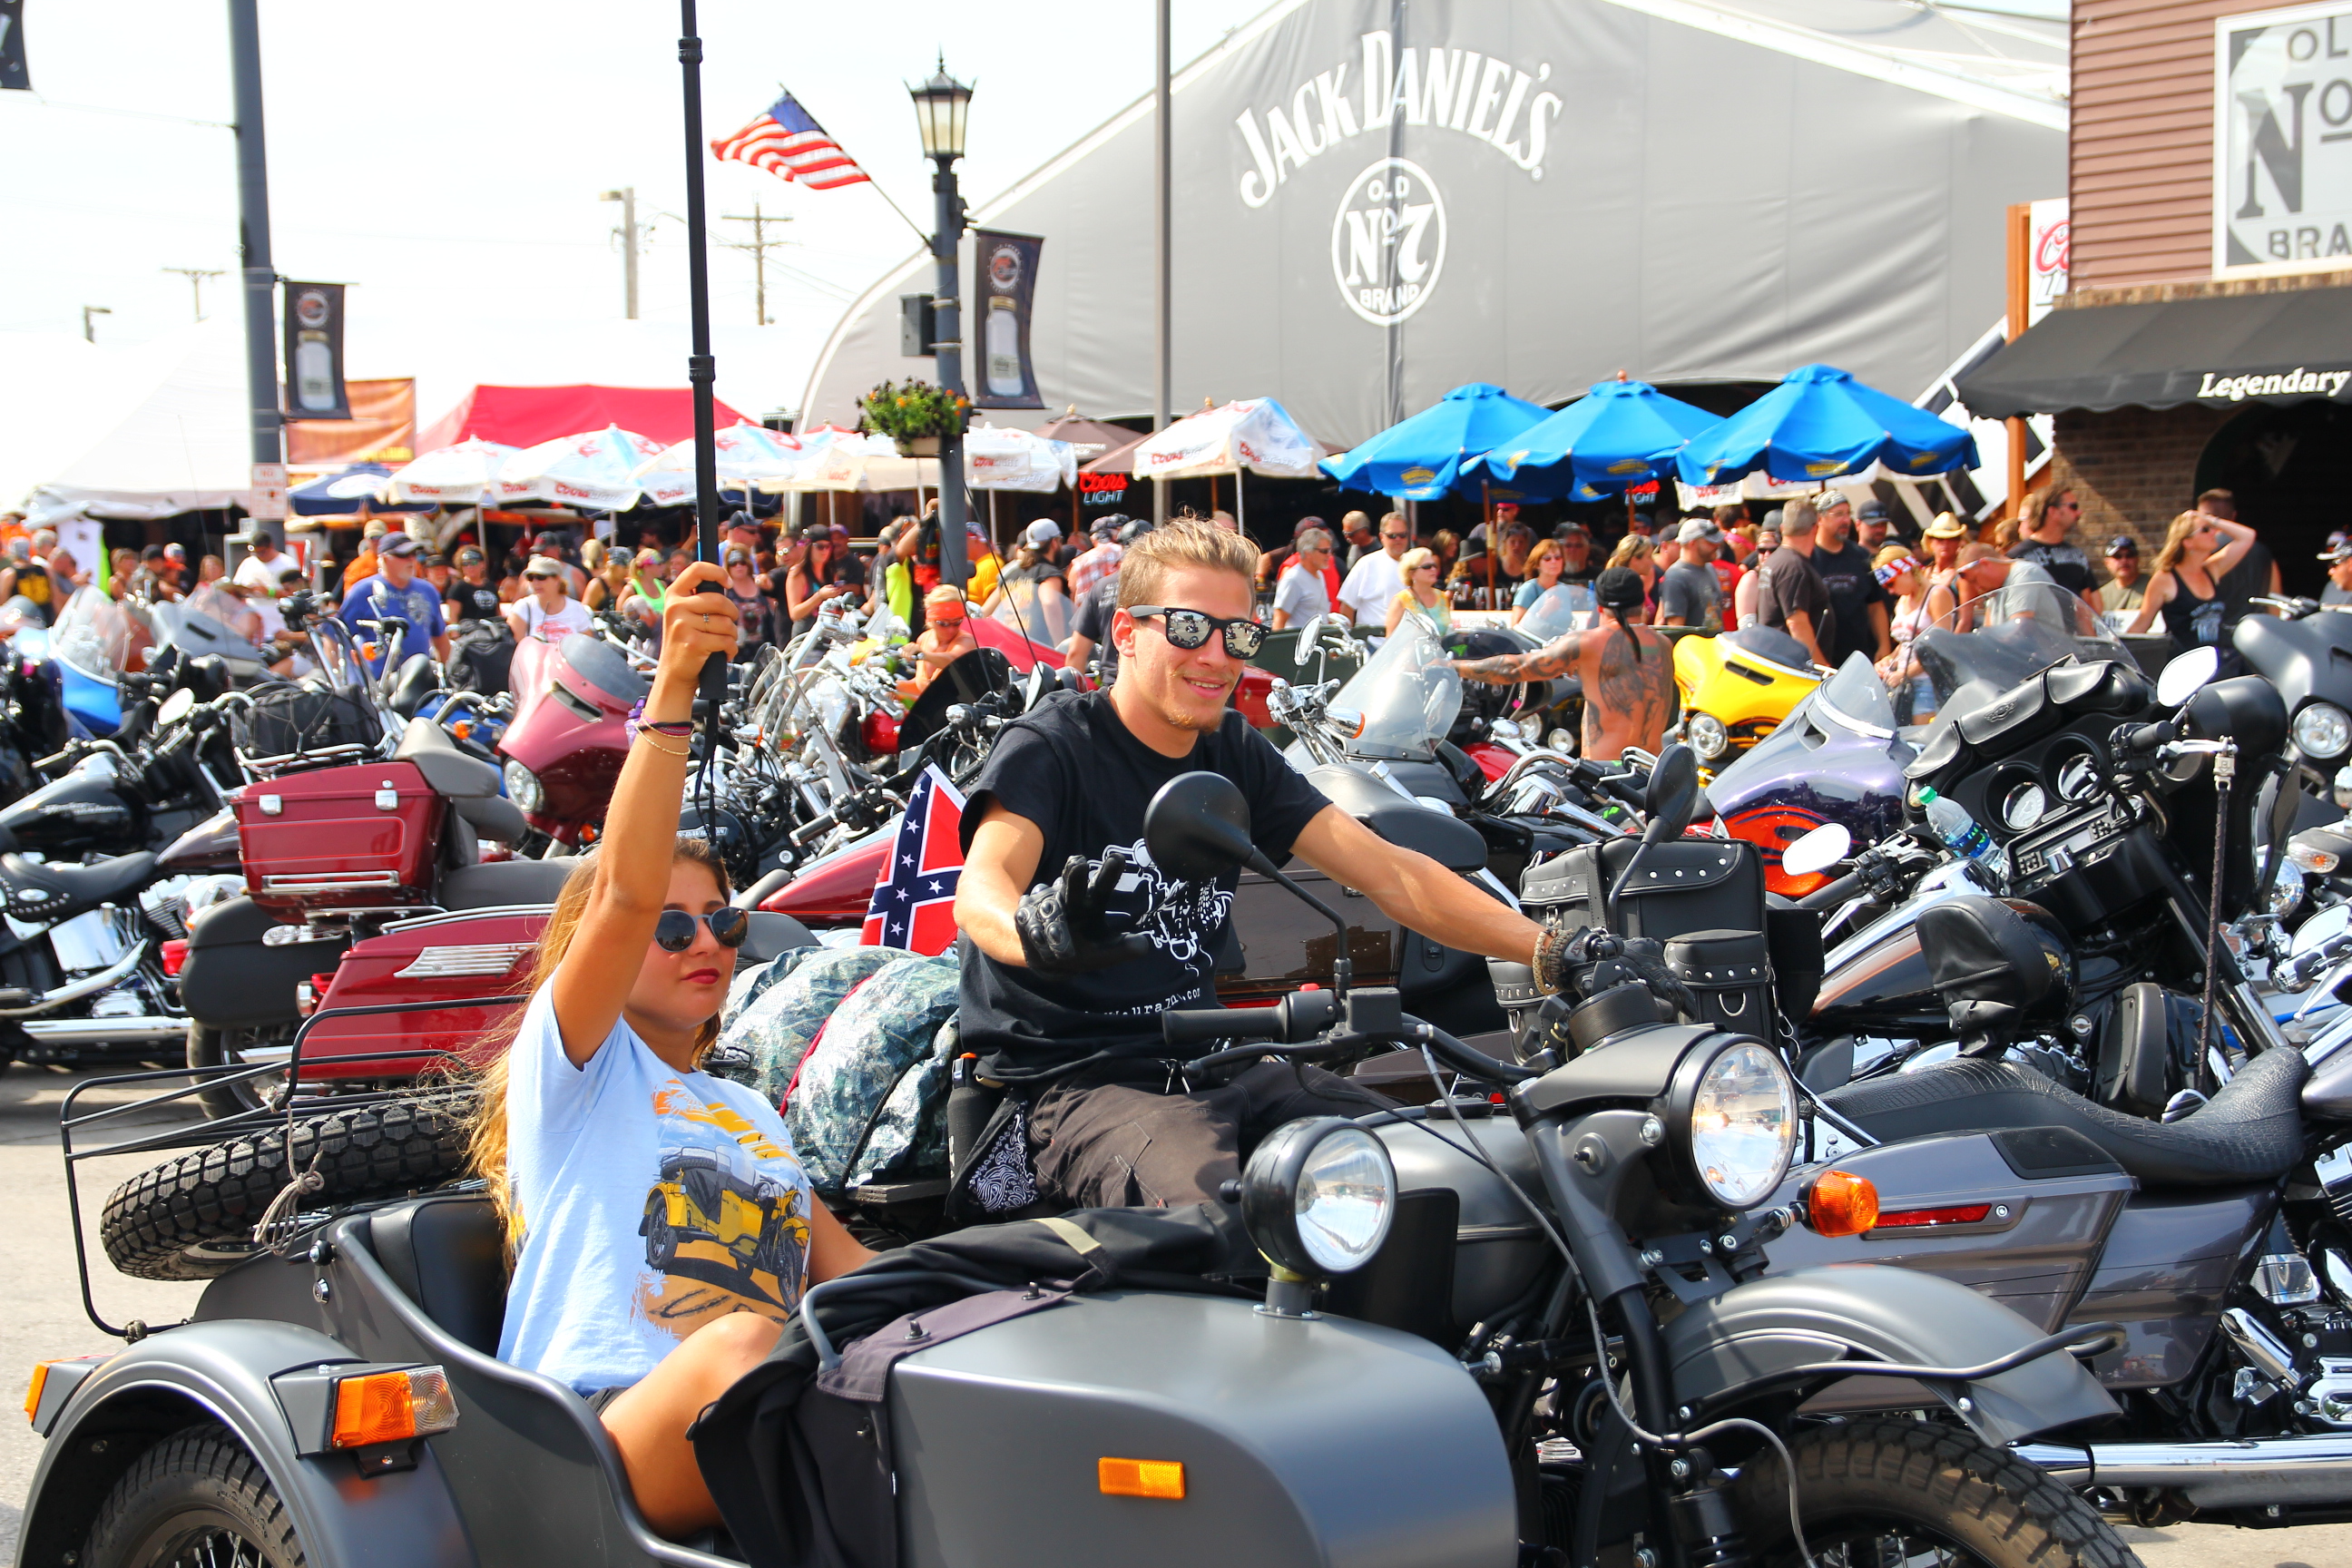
52 892
2251 1132
496 884
446 1255
447 767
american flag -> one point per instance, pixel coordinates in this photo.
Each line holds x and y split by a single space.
914 899
789 143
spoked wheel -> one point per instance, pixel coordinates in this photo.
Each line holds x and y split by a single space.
209 1048
196 1499
1909 1494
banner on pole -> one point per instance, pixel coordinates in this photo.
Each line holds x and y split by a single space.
269 493
314 353
13 73
1006 294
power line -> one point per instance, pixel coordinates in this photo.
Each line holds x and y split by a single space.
758 245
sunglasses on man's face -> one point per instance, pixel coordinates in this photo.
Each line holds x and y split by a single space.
674 931
1189 629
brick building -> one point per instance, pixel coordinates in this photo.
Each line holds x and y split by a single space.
2206 337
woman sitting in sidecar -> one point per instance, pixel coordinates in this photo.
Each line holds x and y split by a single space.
661 1227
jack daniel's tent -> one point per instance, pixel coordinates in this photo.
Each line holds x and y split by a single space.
1374 202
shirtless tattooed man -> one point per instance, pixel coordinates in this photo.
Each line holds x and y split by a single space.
1627 670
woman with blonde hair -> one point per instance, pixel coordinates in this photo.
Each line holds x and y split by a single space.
1420 592
2186 589
1918 603
597 1121
1636 554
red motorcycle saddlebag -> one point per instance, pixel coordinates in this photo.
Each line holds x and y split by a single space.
339 838
424 966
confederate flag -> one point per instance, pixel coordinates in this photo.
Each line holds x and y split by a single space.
914 899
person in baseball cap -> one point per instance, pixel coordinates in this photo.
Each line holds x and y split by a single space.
1871 524
1041 535
1699 530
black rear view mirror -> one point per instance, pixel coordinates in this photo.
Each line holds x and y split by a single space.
1198 828
1673 794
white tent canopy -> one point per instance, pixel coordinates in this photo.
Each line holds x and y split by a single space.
998 458
134 433
1258 434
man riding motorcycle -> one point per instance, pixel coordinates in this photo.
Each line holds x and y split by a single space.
1074 942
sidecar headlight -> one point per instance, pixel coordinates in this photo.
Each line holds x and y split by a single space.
1738 1124
522 787
1318 1196
2323 730
1707 735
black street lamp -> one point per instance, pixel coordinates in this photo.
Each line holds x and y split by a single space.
942 105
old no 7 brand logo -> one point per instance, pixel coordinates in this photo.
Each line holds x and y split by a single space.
1388 241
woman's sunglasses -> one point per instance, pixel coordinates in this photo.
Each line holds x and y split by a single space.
674 931
1191 628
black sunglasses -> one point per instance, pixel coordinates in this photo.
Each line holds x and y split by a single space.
1191 628
674 931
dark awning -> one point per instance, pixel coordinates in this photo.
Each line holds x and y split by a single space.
2287 347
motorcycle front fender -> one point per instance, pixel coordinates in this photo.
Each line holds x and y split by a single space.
199 1374
1814 1315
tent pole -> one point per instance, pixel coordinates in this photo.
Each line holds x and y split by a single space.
1494 545
1241 499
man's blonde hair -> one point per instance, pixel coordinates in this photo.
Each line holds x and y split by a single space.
1180 545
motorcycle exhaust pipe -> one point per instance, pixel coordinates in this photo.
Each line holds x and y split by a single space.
133 1031
88 985
2311 1470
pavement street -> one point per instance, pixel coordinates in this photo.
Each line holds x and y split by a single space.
46 1319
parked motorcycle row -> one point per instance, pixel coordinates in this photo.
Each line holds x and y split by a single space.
1942 1148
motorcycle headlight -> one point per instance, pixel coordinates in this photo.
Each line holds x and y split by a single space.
1739 1128
522 786
1707 735
1318 1196
2323 730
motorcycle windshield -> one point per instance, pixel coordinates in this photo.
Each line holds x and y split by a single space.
1558 611
1407 693
1853 702
2010 636
93 634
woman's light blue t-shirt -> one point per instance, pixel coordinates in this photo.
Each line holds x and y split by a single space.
652 1202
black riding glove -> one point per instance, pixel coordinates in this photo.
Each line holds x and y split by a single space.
1061 920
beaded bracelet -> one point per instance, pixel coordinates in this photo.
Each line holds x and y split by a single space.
676 729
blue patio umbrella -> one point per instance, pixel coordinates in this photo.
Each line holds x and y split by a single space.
1820 424
332 495
1434 453
1622 434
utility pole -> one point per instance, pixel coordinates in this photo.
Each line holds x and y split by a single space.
196 277
1163 230
87 334
757 246
627 196
260 273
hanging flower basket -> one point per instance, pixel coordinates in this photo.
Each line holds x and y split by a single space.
915 414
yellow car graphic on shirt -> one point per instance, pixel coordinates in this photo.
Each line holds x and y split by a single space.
706 1222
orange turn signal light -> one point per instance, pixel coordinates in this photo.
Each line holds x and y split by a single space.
1840 1203
41 1380
392 1406
1162 1479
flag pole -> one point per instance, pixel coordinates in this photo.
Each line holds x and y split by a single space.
700 368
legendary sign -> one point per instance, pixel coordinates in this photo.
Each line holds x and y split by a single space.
2283 138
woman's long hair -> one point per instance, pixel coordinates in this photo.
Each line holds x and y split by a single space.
486 1139
2184 526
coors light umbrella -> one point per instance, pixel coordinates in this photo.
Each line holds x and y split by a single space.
1258 434
1820 423
746 453
593 469
464 475
1619 434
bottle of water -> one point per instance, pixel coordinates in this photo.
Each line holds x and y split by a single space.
1963 834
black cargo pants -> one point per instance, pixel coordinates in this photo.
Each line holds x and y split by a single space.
1113 1144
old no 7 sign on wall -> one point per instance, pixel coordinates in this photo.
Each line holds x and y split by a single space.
2283 138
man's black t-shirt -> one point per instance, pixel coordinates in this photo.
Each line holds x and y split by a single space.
1786 585
2250 576
471 601
1071 767
1853 589
2067 565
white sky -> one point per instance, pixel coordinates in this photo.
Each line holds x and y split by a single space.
447 158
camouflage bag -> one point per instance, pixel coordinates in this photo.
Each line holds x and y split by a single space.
871 1096
775 1012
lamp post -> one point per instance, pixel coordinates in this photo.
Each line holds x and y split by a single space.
940 106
